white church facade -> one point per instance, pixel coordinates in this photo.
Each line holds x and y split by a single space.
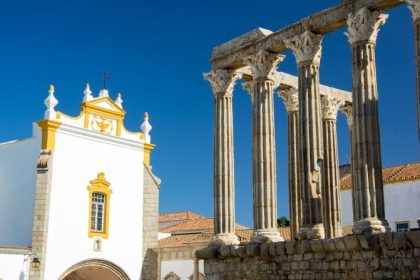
78 199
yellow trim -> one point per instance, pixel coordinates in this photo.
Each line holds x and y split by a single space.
139 134
60 115
102 186
48 129
147 149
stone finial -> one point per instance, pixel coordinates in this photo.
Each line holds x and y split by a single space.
348 111
364 25
306 46
330 106
222 81
414 6
146 127
87 94
290 99
119 100
264 64
50 102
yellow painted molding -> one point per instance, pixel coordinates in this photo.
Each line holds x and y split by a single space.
60 115
99 185
48 129
147 149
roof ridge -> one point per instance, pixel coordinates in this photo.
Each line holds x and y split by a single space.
393 176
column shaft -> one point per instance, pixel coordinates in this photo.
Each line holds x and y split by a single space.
222 82
263 148
307 50
330 171
310 151
367 189
291 102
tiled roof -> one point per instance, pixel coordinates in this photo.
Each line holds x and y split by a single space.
393 174
178 216
244 236
200 224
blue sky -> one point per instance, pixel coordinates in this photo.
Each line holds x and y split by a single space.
156 52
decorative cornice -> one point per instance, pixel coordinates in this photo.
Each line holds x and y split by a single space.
348 111
330 106
290 99
364 25
222 81
414 6
306 46
263 64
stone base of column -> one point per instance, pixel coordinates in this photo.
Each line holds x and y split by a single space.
266 236
370 226
307 232
223 239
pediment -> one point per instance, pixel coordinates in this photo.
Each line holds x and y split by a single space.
105 103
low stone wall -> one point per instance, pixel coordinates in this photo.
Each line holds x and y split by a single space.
378 256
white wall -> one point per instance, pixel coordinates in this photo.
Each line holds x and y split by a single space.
17 189
402 203
182 268
14 266
78 157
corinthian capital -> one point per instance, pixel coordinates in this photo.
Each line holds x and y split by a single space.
348 111
306 46
330 106
263 64
364 25
290 99
222 81
414 6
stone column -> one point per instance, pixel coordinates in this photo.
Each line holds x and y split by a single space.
367 189
263 66
307 50
331 199
222 82
291 101
414 6
348 111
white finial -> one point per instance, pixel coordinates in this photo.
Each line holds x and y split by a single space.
50 102
87 94
119 100
146 127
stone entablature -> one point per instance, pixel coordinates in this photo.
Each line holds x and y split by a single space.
378 256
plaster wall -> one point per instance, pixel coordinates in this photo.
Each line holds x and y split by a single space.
78 157
401 204
14 266
17 189
183 268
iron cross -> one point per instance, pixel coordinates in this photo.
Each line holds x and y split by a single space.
105 77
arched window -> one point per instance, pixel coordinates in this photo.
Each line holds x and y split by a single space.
99 196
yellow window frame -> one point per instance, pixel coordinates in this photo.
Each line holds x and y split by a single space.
99 185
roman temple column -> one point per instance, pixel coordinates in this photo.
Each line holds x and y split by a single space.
291 101
307 50
414 6
263 66
331 200
222 83
348 111
367 188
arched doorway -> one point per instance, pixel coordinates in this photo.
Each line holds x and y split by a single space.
94 269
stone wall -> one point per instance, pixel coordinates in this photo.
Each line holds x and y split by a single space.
379 256
150 225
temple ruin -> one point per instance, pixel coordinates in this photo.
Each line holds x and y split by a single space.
315 209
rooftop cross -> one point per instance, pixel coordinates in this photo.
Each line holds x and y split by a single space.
105 77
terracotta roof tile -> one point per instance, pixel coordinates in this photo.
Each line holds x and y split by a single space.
178 216
393 174
201 224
